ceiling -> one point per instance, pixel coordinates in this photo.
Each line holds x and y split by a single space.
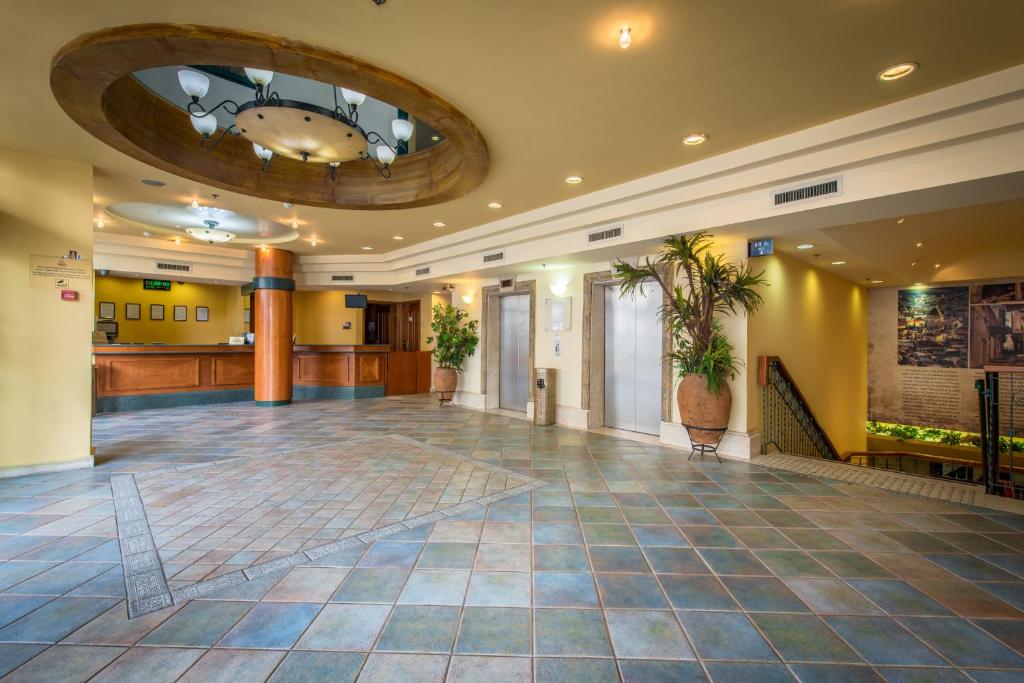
546 84
981 242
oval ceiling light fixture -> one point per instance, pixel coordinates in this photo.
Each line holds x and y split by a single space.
574 179
625 37
694 139
839 263
494 205
805 245
211 233
397 237
877 282
439 224
897 71
366 248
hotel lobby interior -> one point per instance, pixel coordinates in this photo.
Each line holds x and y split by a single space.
589 340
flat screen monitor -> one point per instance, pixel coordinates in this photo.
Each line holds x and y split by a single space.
355 301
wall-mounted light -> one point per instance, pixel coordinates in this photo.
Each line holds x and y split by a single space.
467 299
558 288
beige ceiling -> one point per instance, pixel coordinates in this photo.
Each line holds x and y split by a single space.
969 243
545 82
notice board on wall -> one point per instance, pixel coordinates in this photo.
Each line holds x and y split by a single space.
928 346
59 272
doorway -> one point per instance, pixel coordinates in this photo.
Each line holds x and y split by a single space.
633 359
514 353
394 324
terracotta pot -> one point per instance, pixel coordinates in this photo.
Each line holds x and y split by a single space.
699 407
445 380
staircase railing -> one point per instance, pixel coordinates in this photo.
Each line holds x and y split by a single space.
787 422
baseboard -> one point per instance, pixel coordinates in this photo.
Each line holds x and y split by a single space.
575 418
470 399
735 445
45 468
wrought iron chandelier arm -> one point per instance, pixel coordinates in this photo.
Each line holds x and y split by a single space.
197 110
384 171
212 141
373 137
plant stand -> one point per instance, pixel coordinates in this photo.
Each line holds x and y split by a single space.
704 448
445 397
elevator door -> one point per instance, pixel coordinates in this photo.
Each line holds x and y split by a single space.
514 356
632 360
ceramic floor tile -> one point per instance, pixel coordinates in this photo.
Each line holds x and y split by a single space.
647 634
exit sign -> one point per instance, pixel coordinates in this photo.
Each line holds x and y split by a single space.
765 247
164 285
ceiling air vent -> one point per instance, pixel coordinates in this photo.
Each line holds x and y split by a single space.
342 278
494 257
425 270
174 267
804 193
608 233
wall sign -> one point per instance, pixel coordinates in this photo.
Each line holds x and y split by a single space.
162 285
48 272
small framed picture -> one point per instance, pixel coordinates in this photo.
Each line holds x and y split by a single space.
245 316
559 314
180 313
107 309
202 314
133 311
156 311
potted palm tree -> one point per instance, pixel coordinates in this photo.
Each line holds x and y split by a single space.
454 340
698 286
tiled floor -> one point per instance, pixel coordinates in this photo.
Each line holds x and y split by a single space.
631 564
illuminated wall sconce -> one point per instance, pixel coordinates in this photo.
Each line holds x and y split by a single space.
558 288
467 299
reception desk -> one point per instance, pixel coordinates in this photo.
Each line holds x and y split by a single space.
139 376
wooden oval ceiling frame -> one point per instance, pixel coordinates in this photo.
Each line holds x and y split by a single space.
91 77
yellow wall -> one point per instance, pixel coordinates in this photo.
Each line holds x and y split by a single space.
318 316
45 347
817 324
224 302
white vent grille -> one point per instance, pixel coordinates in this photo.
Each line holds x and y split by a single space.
829 187
494 257
174 267
607 233
425 270
343 278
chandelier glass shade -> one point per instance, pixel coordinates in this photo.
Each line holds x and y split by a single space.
292 128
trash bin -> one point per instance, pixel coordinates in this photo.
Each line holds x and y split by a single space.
544 397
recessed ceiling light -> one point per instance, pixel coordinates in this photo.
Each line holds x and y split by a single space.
494 205
439 224
435 138
913 263
805 246
100 223
287 205
397 237
152 182
937 265
195 203
625 37
897 71
177 240
313 242
877 282
366 248
919 284
295 224
839 263
147 233
574 180
900 220
694 139
919 245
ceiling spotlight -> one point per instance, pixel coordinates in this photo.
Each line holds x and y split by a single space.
919 245
152 183
839 263
397 237
897 71
287 205
366 248
937 265
147 233
312 242
694 139
625 39
913 263
574 180
877 282
805 246
435 138
195 203
899 221
439 224
100 223
494 205
177 240
295 224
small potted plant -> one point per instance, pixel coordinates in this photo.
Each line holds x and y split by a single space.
455 338
705 286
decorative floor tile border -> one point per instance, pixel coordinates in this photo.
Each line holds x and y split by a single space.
893 482
146 586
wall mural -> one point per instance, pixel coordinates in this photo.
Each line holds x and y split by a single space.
926 348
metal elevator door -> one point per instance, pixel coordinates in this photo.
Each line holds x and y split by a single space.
632 360
514 355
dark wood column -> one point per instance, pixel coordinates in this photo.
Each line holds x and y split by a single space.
272 324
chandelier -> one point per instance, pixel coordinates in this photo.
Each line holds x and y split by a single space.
211 233
292 128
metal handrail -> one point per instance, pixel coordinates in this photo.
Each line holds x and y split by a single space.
788 422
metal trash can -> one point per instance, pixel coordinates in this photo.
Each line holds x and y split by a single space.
544 396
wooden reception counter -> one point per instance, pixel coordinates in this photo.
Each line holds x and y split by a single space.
137 376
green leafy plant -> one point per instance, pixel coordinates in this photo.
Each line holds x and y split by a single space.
699 286
454 337
949 437
952 438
